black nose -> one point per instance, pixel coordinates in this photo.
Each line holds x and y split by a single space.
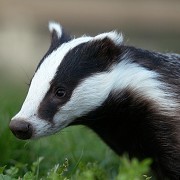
21 129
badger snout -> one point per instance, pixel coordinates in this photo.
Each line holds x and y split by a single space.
21 129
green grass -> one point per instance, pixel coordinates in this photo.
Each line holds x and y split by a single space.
74 153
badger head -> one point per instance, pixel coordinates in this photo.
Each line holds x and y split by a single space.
69 82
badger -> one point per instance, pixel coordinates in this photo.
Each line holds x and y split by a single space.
129 96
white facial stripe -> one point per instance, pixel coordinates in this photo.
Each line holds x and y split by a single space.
93 91
41 81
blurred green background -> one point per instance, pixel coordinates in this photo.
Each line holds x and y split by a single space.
24 36
24 39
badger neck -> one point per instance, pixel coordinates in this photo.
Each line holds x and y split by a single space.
137 109
127 120
125 125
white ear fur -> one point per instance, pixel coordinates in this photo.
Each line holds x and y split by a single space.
116 37
54 26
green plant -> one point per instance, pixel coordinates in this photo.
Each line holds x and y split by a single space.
88 157
133 169
129 169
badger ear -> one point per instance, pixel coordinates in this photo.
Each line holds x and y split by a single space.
59 36
107 46
114 36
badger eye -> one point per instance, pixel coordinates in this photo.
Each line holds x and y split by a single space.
60 93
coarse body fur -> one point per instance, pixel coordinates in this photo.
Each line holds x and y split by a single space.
129 96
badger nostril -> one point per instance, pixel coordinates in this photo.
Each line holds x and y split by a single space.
21 129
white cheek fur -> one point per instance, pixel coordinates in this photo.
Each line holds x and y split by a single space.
94 90
89 95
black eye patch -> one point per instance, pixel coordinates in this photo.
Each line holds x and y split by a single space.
47 110
51 103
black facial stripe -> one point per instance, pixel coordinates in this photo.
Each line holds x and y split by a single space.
50 105
85 60
80 63
47 109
